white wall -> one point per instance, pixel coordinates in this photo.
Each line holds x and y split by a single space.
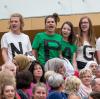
34 8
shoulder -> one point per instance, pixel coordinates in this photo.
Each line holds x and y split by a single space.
25 35
74 96
58 35
40 34
98 40
7 34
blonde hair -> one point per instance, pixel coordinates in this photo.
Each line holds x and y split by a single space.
84 71
8 65
22 61
6 78
20 19
39 85
71 84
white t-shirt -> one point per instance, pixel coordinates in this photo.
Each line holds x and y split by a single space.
85 53
98 44
15 44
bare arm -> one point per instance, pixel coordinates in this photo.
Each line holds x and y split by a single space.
74 62
5 54
34 52
98 56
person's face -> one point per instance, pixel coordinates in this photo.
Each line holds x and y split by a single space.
50 25
97 73
86 79
40 93
85 25
15 24
97 86
9 92
66 30
13 70
61 69
93 68
90 97
38 71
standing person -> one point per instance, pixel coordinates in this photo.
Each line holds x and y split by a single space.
68 46
98 50
46 45
86 44
15 41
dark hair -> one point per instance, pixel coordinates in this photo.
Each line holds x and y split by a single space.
54 16
71 37
95 95
31 69
23 79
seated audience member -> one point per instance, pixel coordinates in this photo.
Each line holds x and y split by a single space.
85 89
22 62
92 65
60 68
8 85
40 91
72 84
38 75
56 83
23 79
94 95
10 67
95 84
48 73
8 90
98 72
56 62
37 71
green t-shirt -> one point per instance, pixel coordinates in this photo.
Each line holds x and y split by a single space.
68 50
47 46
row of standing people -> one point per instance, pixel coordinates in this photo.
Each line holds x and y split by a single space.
77 48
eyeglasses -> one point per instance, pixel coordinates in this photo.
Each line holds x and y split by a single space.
84 22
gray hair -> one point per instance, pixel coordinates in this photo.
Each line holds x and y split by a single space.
56 80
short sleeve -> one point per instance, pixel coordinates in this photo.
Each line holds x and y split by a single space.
4 43
29 44
36 42
98 44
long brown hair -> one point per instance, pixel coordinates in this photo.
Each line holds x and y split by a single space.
91 35
71 36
